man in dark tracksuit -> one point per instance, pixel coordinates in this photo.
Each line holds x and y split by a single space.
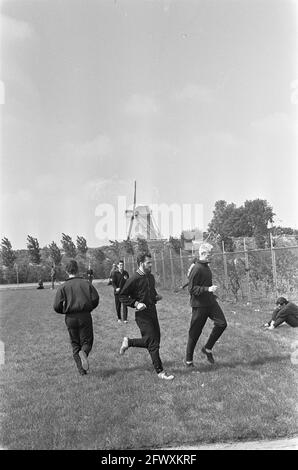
139 293
204 305
76 298
285 312
118 280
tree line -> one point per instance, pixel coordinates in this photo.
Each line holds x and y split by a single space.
253 219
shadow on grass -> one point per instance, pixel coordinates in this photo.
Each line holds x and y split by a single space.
105 373
172 367
206 367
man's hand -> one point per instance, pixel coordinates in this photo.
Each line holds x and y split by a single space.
118 289
158 297
140 306
212 288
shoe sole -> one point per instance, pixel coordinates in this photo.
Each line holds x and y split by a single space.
211 361
84 360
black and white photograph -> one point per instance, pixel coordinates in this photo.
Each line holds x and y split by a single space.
149 228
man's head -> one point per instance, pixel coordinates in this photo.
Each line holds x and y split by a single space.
121 265
281 301
72 267
145 262
205 251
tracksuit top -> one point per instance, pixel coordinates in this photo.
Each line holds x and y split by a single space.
287 313
139 287
200 279
76 295
118 280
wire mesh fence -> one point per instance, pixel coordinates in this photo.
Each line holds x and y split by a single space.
246 275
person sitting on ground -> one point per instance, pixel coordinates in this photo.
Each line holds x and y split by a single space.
284 312
40 284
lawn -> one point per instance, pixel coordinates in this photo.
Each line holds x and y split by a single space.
250 393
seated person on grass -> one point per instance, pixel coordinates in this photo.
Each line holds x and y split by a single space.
285 312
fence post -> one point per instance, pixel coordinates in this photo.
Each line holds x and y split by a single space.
273 258
17 272
172 268
225 266
247 270
163 269
154 259
182 267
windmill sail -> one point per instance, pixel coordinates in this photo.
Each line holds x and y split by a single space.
133 211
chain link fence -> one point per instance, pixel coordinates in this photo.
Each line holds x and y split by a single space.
248 275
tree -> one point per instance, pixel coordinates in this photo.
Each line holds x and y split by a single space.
176 243
116 248
33 249
82 246
258 213
249 220
142 245
55 253
68 246
221 225
128 247
8 255
99 255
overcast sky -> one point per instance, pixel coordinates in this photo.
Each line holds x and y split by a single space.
194 99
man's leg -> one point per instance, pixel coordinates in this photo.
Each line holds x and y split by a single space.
86 338
124 312
220 324
118 307
149 328
74 335
198 320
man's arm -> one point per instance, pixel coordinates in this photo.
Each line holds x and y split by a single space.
281 316
94 297
193 284
59 301
127 294
114 280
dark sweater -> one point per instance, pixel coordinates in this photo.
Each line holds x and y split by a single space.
118 280
199 280
287 313
139 287
76 295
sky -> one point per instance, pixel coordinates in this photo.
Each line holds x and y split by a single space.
196 100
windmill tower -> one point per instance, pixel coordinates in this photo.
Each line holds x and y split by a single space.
141 220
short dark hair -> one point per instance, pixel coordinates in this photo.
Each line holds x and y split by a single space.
72 267
121 261
281 301
142 256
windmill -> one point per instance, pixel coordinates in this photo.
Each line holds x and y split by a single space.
132 213
141 217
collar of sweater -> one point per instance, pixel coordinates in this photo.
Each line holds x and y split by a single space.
140 272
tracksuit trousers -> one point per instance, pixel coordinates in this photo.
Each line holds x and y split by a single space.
80 329
148 324
118 309
198 320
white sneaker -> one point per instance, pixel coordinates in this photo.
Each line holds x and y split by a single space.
125 321
119 321
124 346
84 360
165 376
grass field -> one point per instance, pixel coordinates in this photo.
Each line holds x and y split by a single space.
250 393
